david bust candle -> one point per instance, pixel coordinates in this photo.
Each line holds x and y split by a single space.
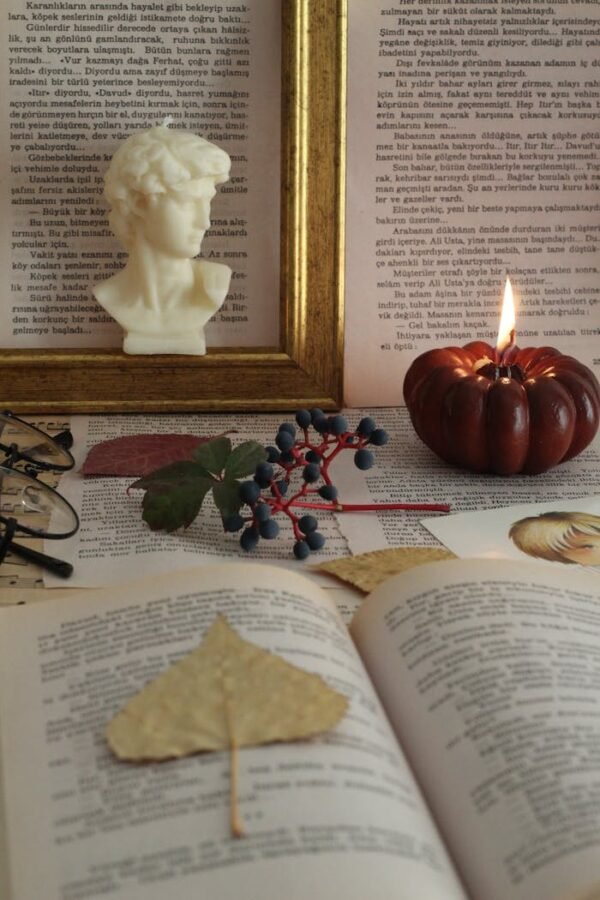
159 186
504 409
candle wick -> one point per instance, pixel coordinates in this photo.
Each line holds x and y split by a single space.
507 353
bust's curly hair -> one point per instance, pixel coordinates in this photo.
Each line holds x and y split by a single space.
157 161
550 534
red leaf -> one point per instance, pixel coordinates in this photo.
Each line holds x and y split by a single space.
139 454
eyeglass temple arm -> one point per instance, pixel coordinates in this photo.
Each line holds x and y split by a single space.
51 563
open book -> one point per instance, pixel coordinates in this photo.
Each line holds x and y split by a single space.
480 780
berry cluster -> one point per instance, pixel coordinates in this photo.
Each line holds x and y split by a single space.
295 475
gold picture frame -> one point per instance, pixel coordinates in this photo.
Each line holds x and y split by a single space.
306 369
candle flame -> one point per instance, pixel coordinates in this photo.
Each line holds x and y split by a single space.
506 331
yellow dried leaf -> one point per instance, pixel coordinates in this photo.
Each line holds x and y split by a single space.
588 894
367 570
225 694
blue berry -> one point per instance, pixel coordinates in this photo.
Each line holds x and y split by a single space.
328 491
282 486
338 425
285 440
315 540
363 459
313 457
379 437
311 473
366 426
287 458
269 529
263 474
303 418
321 424
289 427
316 413
233 522
249 539
301 550
307 524
272 454
262 512
249 492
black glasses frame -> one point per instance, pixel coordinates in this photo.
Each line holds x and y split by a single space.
64 440
31 470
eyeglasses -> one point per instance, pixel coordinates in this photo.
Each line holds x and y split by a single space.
28 506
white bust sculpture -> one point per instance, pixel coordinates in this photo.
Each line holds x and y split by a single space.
159 186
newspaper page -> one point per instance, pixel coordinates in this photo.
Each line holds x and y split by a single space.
114 543
81 77
473 143
20 578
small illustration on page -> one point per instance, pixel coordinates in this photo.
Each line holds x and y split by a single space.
567 537
554 532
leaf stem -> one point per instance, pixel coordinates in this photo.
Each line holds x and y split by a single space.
237 828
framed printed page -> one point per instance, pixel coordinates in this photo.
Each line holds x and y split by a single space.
263 80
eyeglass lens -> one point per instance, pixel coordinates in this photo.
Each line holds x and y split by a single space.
33 444
36 508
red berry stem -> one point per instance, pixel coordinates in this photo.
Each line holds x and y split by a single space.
370 507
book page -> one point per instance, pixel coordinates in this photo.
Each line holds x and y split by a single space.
4 856
489 673
472 151
337 814
80 77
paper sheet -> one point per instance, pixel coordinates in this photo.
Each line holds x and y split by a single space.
407 471
83 77
486 533
472 151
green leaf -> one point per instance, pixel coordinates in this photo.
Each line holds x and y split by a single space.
183 471
244 459
226 495
174 495
167 509
213 454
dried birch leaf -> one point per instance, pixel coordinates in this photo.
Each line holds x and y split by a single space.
226 694
592 893
367 570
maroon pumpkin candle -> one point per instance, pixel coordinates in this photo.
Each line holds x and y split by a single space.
502 409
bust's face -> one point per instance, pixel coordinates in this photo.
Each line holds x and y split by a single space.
584 549
174 223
